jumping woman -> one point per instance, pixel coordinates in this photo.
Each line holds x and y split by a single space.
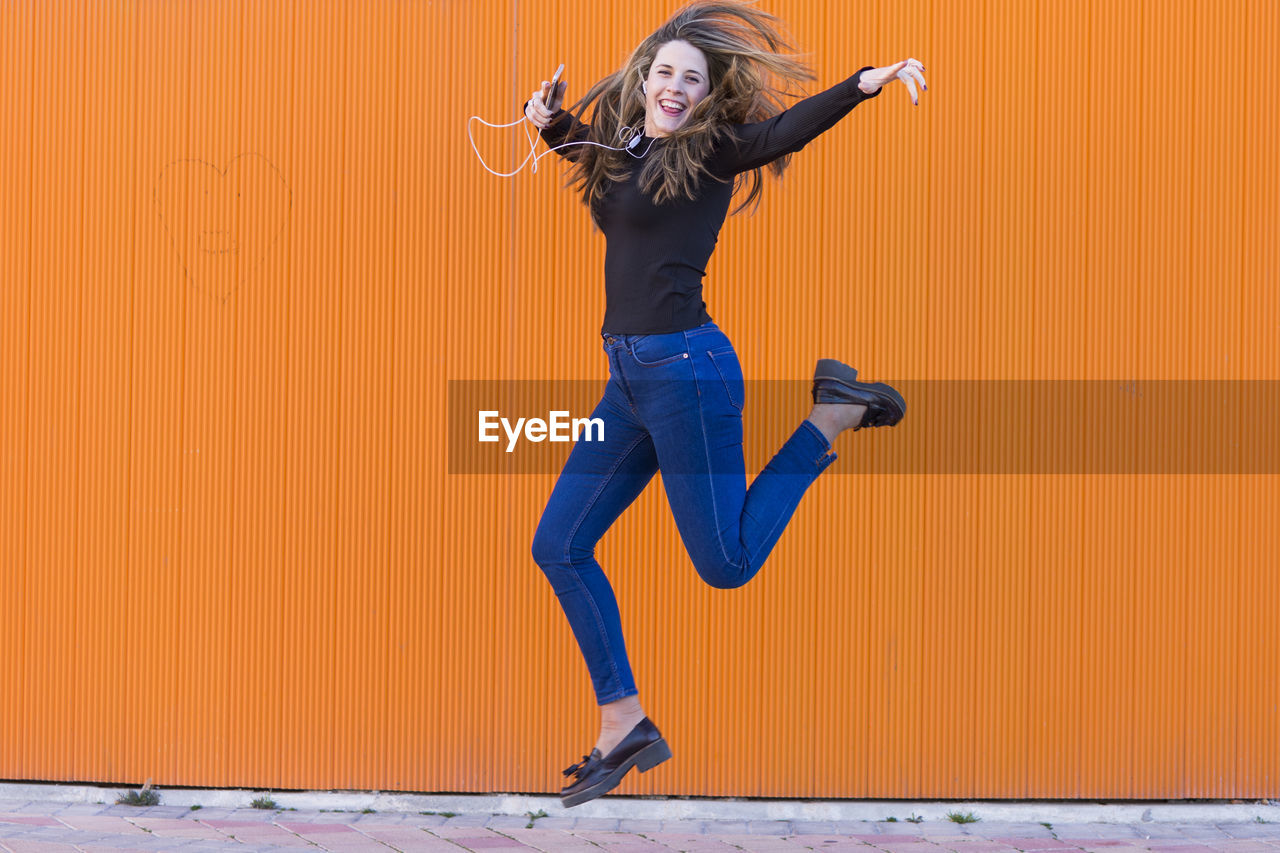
697 110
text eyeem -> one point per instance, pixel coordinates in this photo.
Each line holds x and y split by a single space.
558 427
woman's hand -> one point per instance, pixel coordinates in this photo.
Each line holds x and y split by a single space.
908 71
537 110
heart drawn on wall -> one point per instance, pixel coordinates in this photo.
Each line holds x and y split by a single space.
223 222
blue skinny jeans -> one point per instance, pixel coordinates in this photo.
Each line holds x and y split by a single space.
673 403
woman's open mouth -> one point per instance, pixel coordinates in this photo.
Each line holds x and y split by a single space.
671 108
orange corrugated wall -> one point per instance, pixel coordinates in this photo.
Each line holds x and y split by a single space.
245 246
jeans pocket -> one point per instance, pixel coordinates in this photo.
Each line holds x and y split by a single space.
657 350
730 370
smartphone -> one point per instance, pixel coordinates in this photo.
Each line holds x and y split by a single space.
555 81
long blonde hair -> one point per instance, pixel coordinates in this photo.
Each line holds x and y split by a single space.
751 66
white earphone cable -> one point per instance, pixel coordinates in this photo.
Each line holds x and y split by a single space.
627 134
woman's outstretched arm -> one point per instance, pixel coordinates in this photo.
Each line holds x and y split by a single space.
756 145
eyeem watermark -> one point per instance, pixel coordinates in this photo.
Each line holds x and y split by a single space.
558 427
988 427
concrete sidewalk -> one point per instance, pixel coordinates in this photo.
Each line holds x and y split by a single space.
48 825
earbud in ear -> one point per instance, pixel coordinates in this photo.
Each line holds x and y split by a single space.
644 87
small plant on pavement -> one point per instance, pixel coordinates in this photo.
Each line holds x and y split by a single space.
264 802
143 797
540 813
967 817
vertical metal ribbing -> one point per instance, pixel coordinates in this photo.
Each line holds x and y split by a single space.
248 246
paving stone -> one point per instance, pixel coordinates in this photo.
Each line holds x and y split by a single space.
164 811
693 843
452 832
886 828
329 817
1159 831
1019 843
28 807
595 824
1106 830
467 820
34 833
273 835
551 840
1001 829
101 823
1200 832
349 844
18 845
96 848
231 824
826 842
78 809
168 825
760 843
215 814
30 820
488 842
615 841
408 838
1242 830
507 822
423 820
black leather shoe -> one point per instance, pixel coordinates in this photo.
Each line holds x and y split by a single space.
643 747
836 382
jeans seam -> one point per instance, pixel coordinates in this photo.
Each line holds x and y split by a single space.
706 457
827 444
622 383
725 382
821 464
577 576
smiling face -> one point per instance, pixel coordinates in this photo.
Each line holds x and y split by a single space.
677 81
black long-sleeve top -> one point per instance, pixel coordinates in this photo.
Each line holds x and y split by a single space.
656 255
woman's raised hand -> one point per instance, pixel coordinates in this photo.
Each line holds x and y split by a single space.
908 71
537 110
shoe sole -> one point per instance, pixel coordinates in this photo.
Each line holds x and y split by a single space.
646 759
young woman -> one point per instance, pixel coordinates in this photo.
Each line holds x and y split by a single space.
698 107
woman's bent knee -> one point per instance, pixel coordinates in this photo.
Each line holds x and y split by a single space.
724 575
